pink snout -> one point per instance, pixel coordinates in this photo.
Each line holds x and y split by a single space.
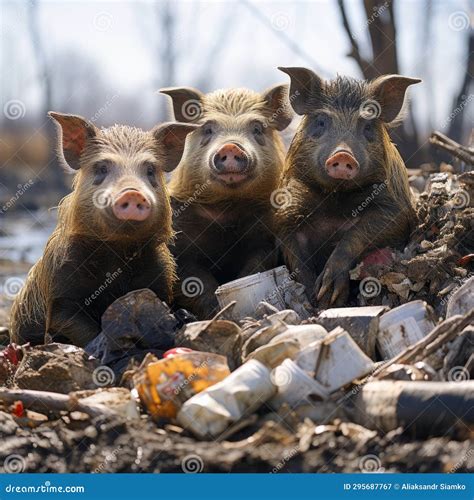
342 165
131 205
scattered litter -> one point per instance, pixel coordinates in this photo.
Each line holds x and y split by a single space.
210 412
403 326
275 287
362 323
165 385
462 300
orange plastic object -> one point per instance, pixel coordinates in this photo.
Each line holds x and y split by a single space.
165 385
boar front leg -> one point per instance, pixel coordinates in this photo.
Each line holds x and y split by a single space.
375 229
70 323
299 262
195 292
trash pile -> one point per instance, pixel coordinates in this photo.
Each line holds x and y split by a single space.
439 257
268 384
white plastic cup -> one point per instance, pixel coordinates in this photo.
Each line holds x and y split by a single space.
294 385
403 326
248 292
210 412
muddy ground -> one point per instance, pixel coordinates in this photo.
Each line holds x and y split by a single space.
270 442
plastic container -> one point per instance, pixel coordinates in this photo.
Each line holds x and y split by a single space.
403 326
210 412
462 300
251 290
165 385
335 361
295 386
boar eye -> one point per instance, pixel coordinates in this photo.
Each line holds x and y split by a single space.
151 174
101 170
369 131
319 125
257 128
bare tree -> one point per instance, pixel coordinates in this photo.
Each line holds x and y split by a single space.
381 25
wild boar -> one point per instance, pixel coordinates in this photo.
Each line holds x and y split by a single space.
112 231
347 184
221 191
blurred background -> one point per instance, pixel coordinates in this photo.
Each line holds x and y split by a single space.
105 60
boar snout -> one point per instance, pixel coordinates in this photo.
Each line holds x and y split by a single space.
342 165
231 163
131 205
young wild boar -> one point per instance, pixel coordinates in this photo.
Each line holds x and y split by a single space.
112 230
346 182
221 190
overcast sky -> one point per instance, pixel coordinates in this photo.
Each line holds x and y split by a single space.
122 42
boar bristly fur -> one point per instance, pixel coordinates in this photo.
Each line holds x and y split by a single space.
347 183
221 190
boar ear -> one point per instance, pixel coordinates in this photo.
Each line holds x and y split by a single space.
73 134
389 91
277 102
187 104
171 139
305 89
